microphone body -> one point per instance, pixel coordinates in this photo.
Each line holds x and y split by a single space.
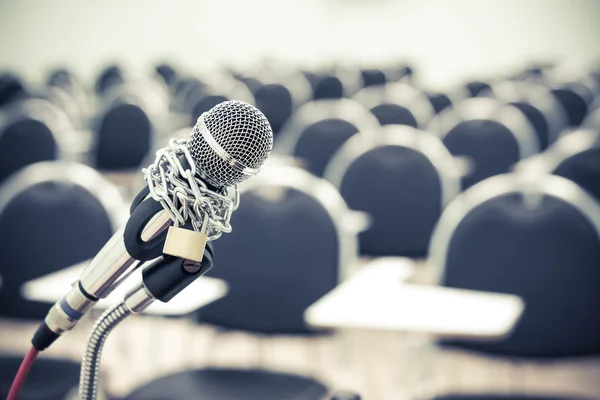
192 183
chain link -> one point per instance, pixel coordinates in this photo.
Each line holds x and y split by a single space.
185 196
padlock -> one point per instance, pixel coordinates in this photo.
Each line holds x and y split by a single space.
185 243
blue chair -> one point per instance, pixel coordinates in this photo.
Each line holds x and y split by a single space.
490 135
575 156
373 77
290 244
537 104
132 117
439 101
52 215
278 96
396 103
319 128
402 178
31 131
222 88
536 236
11 89
576 98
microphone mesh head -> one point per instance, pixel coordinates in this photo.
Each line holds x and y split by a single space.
240 130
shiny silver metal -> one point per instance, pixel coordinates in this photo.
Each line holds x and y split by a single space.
138 299
242 133
221 152
531 183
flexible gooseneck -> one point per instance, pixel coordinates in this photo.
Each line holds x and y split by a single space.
162 280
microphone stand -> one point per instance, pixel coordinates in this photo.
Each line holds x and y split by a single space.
162 280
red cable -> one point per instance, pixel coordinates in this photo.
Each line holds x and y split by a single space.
19 380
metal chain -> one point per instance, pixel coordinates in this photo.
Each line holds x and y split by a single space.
185 196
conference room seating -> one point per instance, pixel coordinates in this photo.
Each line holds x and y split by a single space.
402 178
536 236
299 242
64 212
33 130
373 77
439 101
319 128
222 87
12 89
490 135
109 76
278 96
536 102
575 156
132 116
396 103
325 85
575 97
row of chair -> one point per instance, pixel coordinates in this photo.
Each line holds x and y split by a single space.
531 234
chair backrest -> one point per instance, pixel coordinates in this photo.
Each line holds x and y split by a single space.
537 103
575 156
576 98
592 121
492 135
403 178
31 131
319 128
52 215
222 87
439 101
278 97
396 103
124 135
291 243
11 89
536 236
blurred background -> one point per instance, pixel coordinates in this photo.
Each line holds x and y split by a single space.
459 138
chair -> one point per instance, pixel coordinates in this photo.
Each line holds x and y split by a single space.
403 178
52 215
133 115
575 156
537 103
325 85
30 131
319 128
492 136
11 89
109 77
272 280
439 101
222 88
536 236
278 97
575 98
396 103
373 77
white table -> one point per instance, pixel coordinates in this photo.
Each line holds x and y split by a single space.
378 298
51 288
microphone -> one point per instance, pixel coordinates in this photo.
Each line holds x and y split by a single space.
192 184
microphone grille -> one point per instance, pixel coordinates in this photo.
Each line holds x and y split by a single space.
231 142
